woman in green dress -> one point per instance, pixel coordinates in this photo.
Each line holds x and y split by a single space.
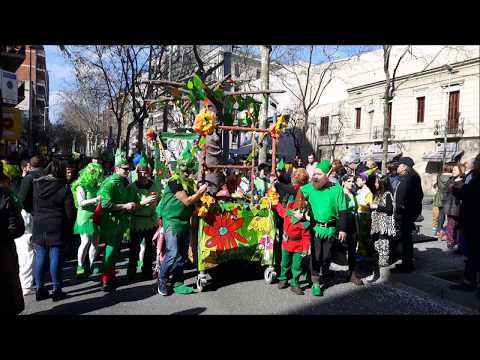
85 190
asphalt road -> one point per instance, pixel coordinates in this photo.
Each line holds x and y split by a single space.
240 289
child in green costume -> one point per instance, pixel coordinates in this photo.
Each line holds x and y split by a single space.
85 191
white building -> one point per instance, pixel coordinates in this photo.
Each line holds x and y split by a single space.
349 120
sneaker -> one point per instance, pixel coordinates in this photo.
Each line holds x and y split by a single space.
317 290
402 269
355 280
297 290
80 272
181 288
95 269
28 291
108 287
58 295
41 294
282 284
163 292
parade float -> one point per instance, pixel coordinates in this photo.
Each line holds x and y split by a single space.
233 221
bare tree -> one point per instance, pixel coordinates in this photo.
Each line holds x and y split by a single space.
306 80
392 84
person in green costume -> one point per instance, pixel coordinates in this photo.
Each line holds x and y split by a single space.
328 207
175 210
116 207
85 191
143 223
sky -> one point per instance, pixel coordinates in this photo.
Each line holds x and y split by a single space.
61 72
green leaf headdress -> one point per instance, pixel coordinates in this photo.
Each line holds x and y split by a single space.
120 158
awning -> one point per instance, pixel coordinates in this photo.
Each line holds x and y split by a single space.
437 156
378 157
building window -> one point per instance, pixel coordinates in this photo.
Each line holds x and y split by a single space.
389 115
324 126
453 114
358 112
420 109
258 73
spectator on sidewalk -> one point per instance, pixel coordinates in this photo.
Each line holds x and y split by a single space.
408 207
392 175
383 224
11 227
452 206
26 189
53 217
469 194
311 164
348 182
438 213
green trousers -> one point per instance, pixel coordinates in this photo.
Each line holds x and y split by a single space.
291 261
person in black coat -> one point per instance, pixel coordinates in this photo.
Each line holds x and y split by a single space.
469 194
53 216
408 207
11 227
26 188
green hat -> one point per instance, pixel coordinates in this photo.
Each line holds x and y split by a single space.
120 158
324 165
107 156
281 165
143 161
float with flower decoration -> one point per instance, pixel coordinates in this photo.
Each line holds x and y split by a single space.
233 224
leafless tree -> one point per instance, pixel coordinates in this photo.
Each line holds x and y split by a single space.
305 79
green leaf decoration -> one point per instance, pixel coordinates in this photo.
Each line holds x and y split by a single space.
218 95
263 212
190 85
203 141
197 82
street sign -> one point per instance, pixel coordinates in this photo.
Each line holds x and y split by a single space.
8 83
12 124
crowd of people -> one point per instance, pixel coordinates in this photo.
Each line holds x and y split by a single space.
326 210
454 215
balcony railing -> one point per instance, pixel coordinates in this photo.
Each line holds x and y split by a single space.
378 132
452 129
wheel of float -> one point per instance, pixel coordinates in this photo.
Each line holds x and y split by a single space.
269 275
201 283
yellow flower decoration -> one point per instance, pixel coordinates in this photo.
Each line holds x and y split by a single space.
277 128
261 224
207 200
205 121
273 196
202 211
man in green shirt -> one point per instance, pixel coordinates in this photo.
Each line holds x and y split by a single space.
114 195
175 210
328 206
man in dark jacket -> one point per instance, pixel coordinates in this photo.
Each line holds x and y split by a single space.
53 217
469 194
26 189
408 207
11 227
